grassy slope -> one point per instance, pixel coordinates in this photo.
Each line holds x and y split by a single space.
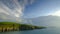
21 26
8 23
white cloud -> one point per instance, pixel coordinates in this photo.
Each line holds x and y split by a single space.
56 13
3 11
16 9
17 15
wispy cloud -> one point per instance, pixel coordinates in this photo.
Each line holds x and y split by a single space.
14 8
4 9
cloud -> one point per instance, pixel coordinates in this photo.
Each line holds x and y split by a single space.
18 9
4 9
56 13
14 8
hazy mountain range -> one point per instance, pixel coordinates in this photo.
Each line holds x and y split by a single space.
44 21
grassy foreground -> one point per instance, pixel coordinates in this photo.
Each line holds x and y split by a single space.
12 26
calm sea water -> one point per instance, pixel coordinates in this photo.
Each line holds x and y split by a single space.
50 30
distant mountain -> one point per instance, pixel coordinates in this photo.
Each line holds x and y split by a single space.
44 21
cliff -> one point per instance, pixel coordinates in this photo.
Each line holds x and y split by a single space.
12 26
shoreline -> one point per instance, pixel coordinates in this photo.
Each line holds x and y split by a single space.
10 26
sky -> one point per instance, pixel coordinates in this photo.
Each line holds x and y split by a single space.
30 8
43 8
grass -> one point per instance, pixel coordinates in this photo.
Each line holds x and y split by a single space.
17 26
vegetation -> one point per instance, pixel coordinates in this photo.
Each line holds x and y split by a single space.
12 26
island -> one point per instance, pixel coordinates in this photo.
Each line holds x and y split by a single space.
12 26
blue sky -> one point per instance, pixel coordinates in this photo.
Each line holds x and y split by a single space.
42 8
30 8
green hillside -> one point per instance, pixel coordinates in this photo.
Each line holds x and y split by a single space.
12 26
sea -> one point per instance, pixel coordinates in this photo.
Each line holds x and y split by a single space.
48 30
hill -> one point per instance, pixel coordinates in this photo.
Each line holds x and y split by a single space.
12 26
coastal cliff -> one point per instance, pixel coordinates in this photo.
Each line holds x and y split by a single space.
12 26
